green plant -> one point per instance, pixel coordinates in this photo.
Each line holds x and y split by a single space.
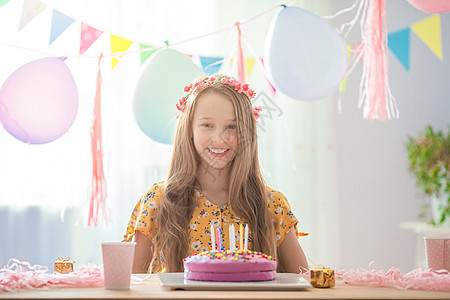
429 159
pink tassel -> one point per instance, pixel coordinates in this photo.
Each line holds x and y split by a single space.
240 57
375 94
272 88
97 203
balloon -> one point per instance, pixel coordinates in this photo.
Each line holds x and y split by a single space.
305 57
159 87
39 101
431 6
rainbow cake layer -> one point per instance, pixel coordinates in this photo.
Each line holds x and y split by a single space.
240 265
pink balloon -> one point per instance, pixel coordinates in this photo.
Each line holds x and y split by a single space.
39 101
431 6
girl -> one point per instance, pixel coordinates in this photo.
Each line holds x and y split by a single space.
213 180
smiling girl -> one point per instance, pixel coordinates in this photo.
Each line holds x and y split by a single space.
214 180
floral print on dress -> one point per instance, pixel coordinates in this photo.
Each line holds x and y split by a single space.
206 213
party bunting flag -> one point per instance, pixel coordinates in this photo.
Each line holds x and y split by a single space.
31 9
146 54
249 63
399 43
3 2
118 44
429 31
211 65
60 22
88 36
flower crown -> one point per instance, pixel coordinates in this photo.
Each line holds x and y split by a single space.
210 81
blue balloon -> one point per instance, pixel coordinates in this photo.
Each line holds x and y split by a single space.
305 57
159 87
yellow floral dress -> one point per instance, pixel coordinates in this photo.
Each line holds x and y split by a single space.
143 218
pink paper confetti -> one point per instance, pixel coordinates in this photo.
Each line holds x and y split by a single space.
417 279
22 275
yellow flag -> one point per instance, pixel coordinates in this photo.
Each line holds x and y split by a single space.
249 63
118 44
429 31
343 84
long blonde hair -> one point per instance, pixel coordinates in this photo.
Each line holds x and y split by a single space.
247 193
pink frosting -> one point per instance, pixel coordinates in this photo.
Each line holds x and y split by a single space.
230 266
244 276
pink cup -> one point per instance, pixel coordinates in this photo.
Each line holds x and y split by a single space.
117 264
438 253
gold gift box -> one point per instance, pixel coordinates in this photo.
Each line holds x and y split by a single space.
64 265
322 278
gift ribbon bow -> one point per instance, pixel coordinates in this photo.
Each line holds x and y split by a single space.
64 260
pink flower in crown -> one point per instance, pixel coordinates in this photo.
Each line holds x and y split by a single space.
251 93
181 103
187 88
232 81
237 87
212 79
197 83
256 111
244 87
224 80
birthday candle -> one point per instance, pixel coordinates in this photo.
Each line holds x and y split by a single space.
213 242
218 238
246 238
232 237
241 237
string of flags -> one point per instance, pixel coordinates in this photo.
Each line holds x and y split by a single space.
428 30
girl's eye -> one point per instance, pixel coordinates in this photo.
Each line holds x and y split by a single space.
206 125
231 127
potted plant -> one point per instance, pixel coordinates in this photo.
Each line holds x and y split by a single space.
429 159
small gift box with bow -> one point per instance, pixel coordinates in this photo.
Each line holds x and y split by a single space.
322 278
64 265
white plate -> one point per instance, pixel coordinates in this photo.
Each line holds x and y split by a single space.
283 281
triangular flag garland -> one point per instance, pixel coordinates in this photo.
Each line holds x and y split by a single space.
118 44
211 65
88 36
3 2
146 54
31 9
60 22
429 31
399 43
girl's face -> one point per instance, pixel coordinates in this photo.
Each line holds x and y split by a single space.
214 130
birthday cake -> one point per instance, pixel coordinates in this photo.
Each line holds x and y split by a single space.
225 265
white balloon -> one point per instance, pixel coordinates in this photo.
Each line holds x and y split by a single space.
305 57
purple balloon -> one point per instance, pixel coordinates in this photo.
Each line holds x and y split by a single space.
39 101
